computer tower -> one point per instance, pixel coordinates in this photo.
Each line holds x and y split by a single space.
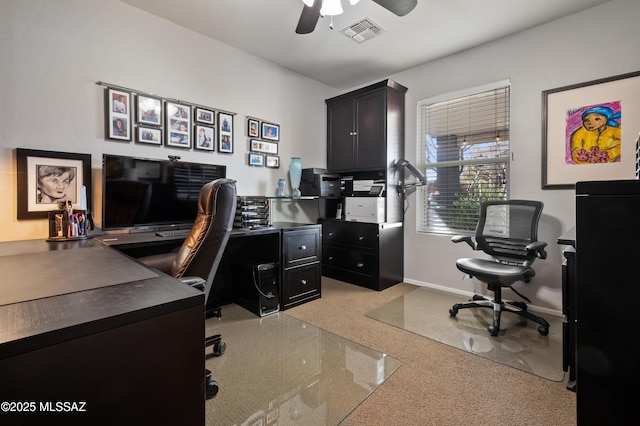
258 288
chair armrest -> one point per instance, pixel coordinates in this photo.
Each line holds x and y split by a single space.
464 238
195 282
538 247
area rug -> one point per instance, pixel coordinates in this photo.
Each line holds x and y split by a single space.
280 370
425 312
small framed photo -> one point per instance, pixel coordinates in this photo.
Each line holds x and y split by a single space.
151 135
205 138
118 114
149 110
225 133
178 126
272 161
256 160
258 145
46 177
205 116
253 128
270 131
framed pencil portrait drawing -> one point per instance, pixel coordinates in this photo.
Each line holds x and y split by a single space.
45 178
118 114
589 131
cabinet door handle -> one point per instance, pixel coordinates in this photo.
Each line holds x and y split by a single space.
360 238
303 282
303 247
359 264
330 234
330 257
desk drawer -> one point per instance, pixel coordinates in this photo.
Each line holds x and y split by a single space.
350 260
301 246
301 284
356 235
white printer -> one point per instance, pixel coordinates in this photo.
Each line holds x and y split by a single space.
365 209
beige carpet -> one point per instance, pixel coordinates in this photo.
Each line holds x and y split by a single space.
426 312
437 383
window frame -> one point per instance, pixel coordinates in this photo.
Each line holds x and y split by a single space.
423 203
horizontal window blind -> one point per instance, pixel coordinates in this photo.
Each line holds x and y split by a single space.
463 150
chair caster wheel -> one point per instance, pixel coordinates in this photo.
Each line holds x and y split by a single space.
543 330
493 330
218 345
211 387
219 348
453 312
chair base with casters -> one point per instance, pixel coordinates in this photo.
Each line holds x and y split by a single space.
498 306
507 231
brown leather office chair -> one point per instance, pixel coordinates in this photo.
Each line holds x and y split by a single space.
198 258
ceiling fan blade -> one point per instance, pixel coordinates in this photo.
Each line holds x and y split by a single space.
309 18
399 7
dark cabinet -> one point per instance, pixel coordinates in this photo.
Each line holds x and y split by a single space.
365 138
366 254
301 254
357 132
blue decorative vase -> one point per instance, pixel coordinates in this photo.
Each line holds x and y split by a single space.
295 173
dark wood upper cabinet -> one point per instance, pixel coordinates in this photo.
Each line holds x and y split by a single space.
365 128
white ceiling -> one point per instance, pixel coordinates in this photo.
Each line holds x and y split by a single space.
435 28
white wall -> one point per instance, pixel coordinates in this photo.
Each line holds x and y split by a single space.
53 52
598 43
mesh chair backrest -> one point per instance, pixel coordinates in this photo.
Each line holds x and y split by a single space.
506 227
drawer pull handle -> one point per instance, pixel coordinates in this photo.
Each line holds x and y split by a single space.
303 282
359 264
303 247
360 238
330 257
330 234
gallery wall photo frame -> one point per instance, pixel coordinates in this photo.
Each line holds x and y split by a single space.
225 133
253 128
270 131
257 145
205 137
46 177
178 124
589 131
204 116
272 161
150 135
148 110
118 114
256 160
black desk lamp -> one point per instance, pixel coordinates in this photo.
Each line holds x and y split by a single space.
403 187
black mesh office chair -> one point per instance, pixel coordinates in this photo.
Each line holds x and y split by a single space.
508 232
197 260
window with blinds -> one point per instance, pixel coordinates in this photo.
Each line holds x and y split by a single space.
463 150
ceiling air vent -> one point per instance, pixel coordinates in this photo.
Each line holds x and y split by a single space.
362 30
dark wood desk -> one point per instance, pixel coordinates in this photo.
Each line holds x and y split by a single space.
299 273
126 351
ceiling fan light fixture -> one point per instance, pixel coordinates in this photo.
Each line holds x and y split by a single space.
331 8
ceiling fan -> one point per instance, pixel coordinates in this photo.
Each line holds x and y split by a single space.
314 9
